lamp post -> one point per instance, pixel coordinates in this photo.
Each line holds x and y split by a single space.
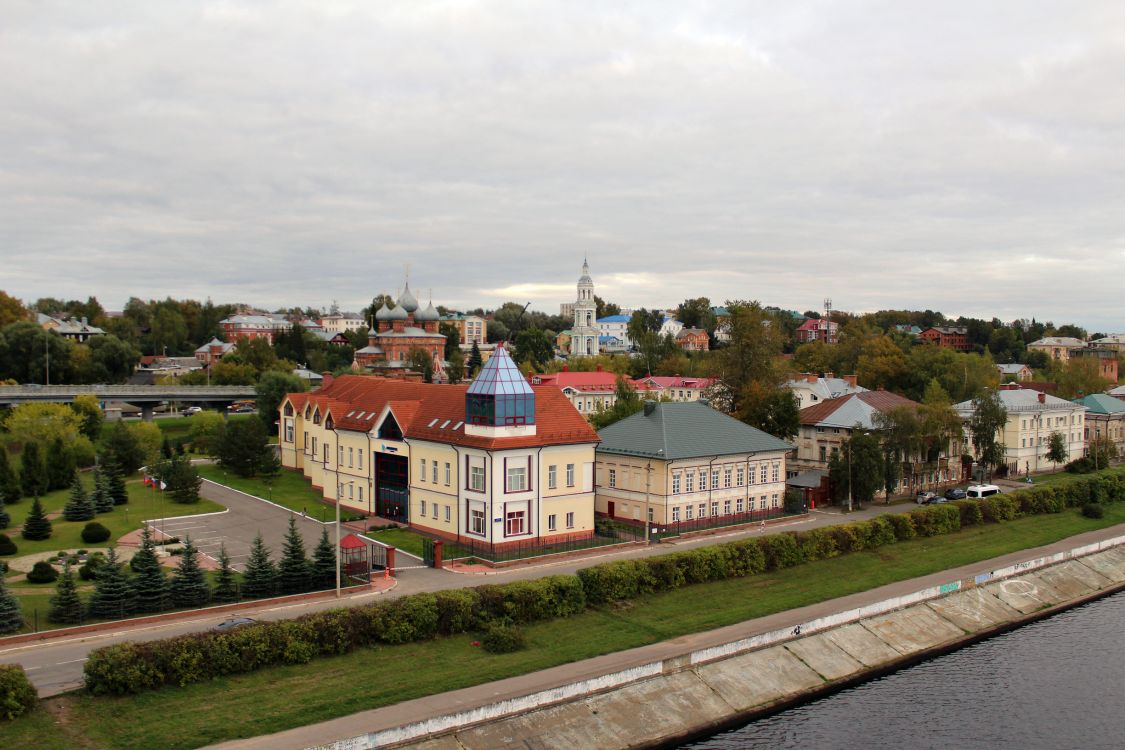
648 483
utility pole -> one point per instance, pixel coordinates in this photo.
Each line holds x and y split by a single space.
47 354
849 447
648 483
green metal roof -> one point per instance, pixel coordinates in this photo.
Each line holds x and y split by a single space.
685 430
1101 403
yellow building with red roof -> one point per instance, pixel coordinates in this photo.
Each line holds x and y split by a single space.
497 462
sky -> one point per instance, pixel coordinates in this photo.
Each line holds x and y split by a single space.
959 156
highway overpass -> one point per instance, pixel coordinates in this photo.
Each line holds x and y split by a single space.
147 397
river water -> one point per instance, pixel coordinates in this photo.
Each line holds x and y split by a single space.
1057 683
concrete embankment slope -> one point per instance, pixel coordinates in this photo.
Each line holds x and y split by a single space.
695 684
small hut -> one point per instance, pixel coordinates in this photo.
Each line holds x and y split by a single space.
353 556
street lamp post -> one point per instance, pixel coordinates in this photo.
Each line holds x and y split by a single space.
648 483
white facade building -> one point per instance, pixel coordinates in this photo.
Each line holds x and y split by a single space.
584 333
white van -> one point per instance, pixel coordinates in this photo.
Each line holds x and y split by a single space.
978 491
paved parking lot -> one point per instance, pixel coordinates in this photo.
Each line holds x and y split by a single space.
237 526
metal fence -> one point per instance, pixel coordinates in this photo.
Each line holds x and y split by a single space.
668 530
520 550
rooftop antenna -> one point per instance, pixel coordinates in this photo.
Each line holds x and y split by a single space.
828 318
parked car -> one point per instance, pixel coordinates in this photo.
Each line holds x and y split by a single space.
187 411
955 493
235 622
938 499
983 490
925 498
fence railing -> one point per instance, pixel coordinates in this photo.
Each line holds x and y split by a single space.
521 550
678 528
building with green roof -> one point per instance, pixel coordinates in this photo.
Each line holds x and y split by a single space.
686 462
1105 418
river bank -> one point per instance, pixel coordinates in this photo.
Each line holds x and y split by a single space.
624 697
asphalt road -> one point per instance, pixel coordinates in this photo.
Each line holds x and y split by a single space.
55 666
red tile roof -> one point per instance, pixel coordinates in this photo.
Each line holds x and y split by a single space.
356 401
882 401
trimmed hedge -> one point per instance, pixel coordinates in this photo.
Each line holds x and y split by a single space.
17 696
135 667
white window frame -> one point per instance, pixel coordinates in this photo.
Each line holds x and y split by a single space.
570 519
476 478
552 522
516 479
552 477
570 475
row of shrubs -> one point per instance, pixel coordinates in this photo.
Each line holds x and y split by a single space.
135 667
17 695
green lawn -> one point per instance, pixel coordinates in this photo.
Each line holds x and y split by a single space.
144 503
402 539
288 489
284 697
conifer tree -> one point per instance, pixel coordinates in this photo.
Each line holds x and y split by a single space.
11 619
183 480
80 506
5 518
103 501
225 590
149 581
476 361
33 473
166 448
36 526
324 562
60 465
113 595
9 483
293 571
260 578
66 604
189 586
115 482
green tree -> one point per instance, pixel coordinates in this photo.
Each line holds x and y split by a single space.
244 447
421 361
115 481
272 388
11 310
206 432
857 466
476 361
626 403
534 346
881 364
751 356
90 415
43 423
452 338
122 447
189 586
5 517
149 581
1057 451
292 344
36 526
60 466
166 451
66 604
696 313
455 366
985 425
101 497
1081 376
258 354
107 359
293 572
183 481
80 506
113 595
33 472
225 588
260 578
772 409
11 619
167 332
324 562
27 351
10 492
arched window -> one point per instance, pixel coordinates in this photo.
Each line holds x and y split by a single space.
329 424
307 410
316 417
288 409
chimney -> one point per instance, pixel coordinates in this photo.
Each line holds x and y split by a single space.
829 375
811 377
650 407
1042 397
599 368
850 380
327 379
566 368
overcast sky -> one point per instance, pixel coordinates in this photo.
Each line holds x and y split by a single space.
960 156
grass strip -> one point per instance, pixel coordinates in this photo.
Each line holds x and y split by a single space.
280 698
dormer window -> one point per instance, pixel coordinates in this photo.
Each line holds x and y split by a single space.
308 409
316 417
288 409
329 424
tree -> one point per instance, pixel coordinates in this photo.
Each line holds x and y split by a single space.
44 423
9 483
225 589
534 346
324 562
244 447
89 414
750 356
476 361
80 507
1057 451
260 578
696 313
5 517
149 581
291 344
293 571
60 466
166 448
985 425
1081 376
11 310
115 482
113 595
772 409
189 586
66 604
33 472
101 497
27 350
36 527
11 619
272 388
857 466
107 359
183 481
455 366
206 431
626 403
452 338
123 447
881 364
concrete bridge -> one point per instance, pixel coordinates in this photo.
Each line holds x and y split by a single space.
147 397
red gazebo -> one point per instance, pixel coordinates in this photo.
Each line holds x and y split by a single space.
353 556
